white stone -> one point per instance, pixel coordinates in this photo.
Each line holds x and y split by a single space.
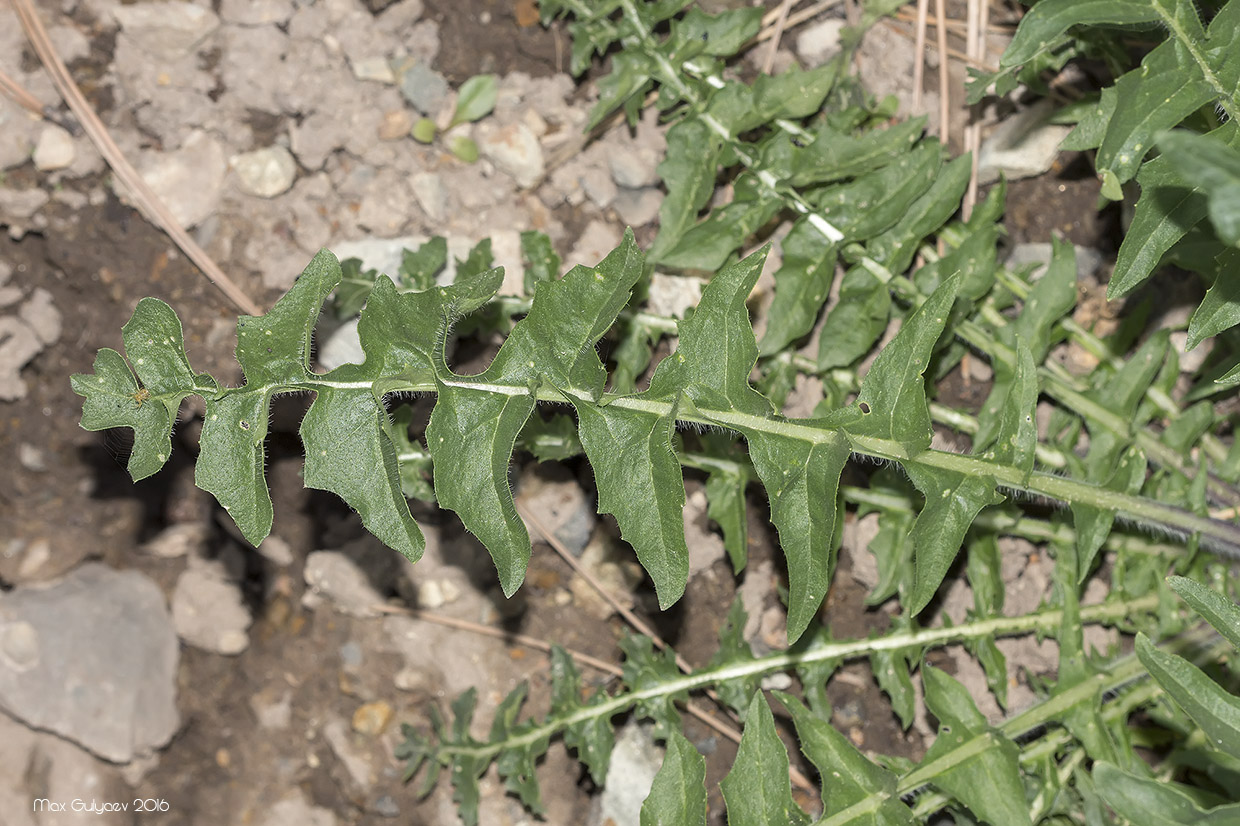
633 166
208 611
638 207
514 150
92 658
166 30
188 180
376 69
18 345
1023 146
54 150
336 577
635 760
672 295
177 540
42 317
430 194
295 811
256 12
820 42
266 172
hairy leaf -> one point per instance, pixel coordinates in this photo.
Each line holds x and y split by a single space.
678 795
757 790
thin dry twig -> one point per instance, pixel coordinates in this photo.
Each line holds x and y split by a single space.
497 633
940 14
143 194
644 628
780 21
952 53
620 608
975 44
919 54
20 96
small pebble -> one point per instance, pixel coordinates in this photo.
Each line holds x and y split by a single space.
396 124
372 718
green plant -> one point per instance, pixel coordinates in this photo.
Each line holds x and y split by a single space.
873 198
1190 78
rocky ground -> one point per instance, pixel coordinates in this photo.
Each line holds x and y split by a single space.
146 652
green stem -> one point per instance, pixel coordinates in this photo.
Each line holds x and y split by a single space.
1044 621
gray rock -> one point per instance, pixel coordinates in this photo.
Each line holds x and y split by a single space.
428 190
355 763
208 611
70 43
266 172
31 457
424 88
54 150
377 69
554 498
189 179
36 765
335 578
634 762
638 207
19 130
598 186
18 345
820 42
633 166
256 12
295 811
177 540
1023 146
92 658
273 714
1088 259
41 316
166 30
514 150
672 295
20 204
593 245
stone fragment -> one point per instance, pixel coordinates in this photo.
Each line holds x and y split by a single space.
32 458
177 540
188 180
555 498
256 12
638 207
396 124
266 172
598 186
54 150
18 345
1023 146
672 295
293 810
92 658
596 241
820 42
377 69
166 30
633 166
371 719
613 567
335 577
276 550
424 88
20 204
429 192
208 611
635 761
513 149
35 764
41 316
273 714
355 762
19 131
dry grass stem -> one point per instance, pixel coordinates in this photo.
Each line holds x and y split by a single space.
143 194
